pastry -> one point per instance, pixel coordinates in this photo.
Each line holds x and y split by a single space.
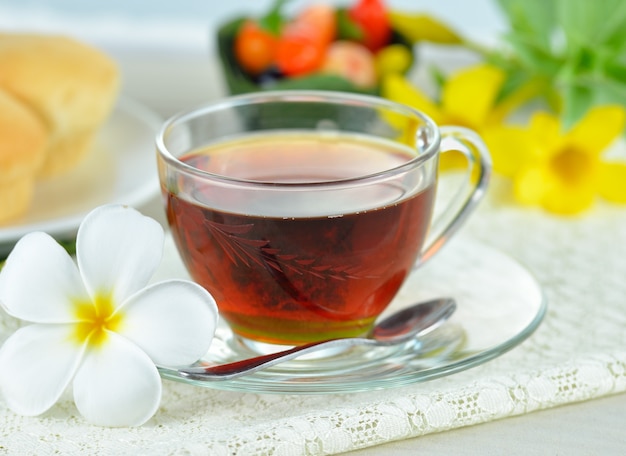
23 142
70 85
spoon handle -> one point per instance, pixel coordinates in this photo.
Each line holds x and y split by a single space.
236 369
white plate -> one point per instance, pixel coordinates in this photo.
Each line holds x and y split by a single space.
499 302
121 168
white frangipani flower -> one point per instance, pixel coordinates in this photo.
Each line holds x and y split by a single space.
98 324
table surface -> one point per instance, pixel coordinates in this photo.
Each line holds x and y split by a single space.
170 81
586 428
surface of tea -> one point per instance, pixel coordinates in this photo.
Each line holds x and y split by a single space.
292 267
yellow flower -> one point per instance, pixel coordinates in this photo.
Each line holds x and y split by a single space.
422 27
563 171
468 99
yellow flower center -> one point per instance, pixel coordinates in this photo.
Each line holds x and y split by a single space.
95 319
572 165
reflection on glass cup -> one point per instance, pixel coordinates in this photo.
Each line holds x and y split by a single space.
304 212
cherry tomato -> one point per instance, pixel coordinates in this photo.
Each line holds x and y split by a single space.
254 48
302 46
319 22
371 16
297 56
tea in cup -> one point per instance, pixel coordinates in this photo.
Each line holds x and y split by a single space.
304 212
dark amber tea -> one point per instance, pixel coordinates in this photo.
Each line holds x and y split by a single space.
290 267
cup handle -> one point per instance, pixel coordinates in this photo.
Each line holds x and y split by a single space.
472 190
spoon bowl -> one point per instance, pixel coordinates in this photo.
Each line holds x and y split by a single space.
409 323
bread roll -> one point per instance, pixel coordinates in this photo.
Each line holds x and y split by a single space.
70 85
23 141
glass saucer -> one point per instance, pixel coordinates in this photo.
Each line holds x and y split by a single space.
499 304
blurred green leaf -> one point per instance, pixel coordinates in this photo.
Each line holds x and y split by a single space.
514 82
532 19
535 58
612 91
274 20
577 99
347 29
593 23
439 77
616 71
575 48
583 89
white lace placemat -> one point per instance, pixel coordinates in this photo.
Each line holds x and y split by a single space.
578 353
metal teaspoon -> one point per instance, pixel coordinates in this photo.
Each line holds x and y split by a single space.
406 324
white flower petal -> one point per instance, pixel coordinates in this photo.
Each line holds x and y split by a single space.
173 322
117 384
40 280
118 250
37 363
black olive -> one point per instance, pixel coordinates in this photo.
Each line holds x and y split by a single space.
269 77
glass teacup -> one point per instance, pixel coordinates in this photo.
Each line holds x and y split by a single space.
303 212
